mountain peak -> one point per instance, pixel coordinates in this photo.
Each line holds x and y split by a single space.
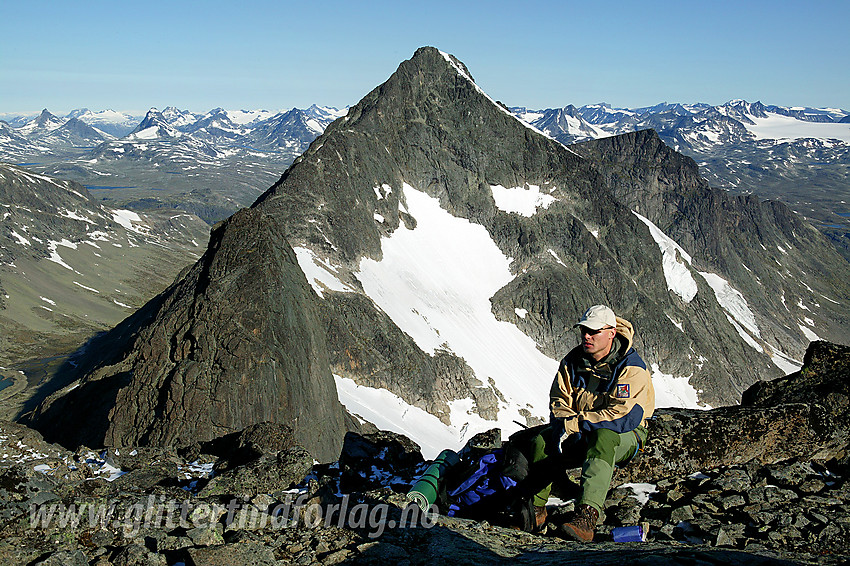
45 117
78 112
154 125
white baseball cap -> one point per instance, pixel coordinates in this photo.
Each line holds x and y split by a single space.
598 316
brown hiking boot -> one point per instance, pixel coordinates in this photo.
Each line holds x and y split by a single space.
582 525
539 517
535 523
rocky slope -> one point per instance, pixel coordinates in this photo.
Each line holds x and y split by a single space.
188 366
70 266
796 155
255 497
721 289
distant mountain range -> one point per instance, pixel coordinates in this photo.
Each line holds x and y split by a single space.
205 164
202 163
798 155
81 129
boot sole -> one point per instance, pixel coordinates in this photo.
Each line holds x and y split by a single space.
568 533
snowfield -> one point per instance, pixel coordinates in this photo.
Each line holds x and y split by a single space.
435 282
676 272
779 127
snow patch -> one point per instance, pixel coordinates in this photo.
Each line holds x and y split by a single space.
522 200
126 218
784 362
54 255
78 284
21 239
435 282
745 335
558 259
676 273
809 333
676 324
673 391
642 491
72 214
321 275
732 301
387 411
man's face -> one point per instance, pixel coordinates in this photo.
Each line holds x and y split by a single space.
597 343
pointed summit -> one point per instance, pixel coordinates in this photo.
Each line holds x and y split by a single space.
177 118
429 111
45 118
153 126
77 133
43 124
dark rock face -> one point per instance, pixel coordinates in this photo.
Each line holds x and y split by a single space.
822 385
265 474
685 441
822 380
802 416
234 343
237 448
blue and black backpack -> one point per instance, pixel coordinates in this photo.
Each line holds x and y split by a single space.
487 485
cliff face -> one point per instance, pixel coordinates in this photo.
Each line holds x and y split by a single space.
235 342
791 281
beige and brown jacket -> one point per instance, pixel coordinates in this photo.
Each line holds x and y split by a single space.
615 393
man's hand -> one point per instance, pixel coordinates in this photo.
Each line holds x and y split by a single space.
561 439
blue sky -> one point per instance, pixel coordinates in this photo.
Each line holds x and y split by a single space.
275 55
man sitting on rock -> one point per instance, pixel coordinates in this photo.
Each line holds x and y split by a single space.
600 400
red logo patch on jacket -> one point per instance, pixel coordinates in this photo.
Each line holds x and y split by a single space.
622 391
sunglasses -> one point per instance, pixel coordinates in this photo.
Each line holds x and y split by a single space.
582 330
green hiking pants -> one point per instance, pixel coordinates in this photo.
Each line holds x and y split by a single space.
597 454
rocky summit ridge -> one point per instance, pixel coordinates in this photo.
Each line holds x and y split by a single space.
257 497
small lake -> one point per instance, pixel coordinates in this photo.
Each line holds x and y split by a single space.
5 382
